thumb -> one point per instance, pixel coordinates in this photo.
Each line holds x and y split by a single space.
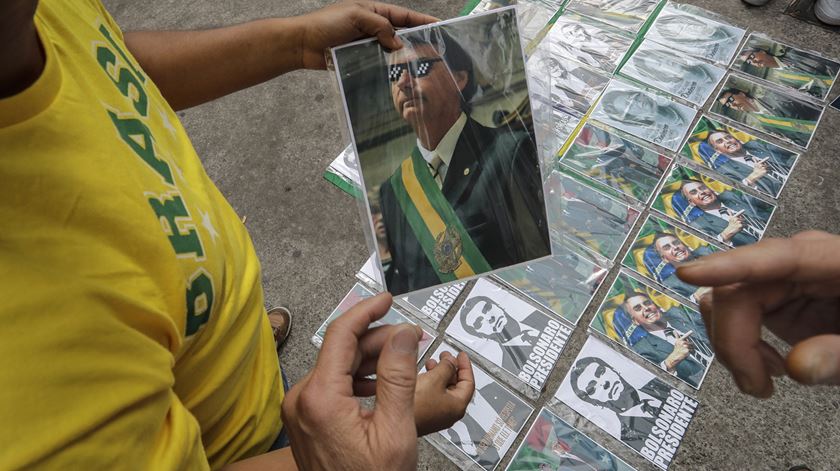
444 373
396 377
815 360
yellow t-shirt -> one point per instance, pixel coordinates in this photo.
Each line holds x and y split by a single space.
132 328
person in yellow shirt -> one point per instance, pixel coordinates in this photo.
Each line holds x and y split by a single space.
132 328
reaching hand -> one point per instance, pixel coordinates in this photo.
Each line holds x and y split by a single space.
348 21
792 286
443 392
328 426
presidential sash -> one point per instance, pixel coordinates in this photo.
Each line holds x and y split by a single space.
446 243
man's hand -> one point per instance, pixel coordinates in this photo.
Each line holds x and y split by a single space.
792 286
758 172
328 426
682 348
443 392
347 21
736 223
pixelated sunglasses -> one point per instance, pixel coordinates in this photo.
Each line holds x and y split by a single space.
416 68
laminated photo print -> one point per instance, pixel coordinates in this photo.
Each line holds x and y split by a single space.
553 444
682 30
587 217
768 110
433 303
676 73
494 418
564 283
657 327
587 41
787 66
625 14
534 15
509 332
628 168
643 114
574 86
713 208
392 317
370 273
628 402
659 248
443 132
345 165
744 158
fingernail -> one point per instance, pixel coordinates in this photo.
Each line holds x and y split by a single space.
823 368
405 340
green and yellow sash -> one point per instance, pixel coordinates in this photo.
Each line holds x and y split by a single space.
803 126
444 240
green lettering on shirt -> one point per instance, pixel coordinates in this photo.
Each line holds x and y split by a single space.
127 83
199 301
107 34
138 136
171 211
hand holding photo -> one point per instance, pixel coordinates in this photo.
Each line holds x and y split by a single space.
443 134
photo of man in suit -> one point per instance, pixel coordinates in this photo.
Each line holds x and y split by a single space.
675 73
662 256
755 163
468 198
674 339
731 217
483 318
788 66
698 36
597 383
767 110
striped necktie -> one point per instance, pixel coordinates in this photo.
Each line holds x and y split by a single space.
437 167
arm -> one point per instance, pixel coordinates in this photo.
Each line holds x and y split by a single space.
193 67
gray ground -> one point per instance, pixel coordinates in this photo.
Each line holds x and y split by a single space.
267 148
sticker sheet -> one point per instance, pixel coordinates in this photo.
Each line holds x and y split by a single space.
659 248
625 166
509 332
628 402
494 418
649 116
392 317
680 29
563 283
683 76
433 303
624 14
587 41
587 217
777 113
656 327
743 157
553 444
718 210
787 66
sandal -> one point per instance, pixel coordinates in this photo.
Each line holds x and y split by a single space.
280 319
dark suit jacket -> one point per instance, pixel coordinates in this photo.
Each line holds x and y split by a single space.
493 183
635 430
656 349
714 225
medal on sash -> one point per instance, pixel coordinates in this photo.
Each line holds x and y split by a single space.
444 240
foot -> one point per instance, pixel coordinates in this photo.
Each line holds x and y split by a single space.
281 324
828 11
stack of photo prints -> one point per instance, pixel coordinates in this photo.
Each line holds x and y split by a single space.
511 160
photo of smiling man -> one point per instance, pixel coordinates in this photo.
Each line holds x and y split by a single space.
443 128
657 327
